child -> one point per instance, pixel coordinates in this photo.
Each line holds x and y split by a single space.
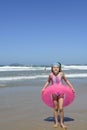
56 76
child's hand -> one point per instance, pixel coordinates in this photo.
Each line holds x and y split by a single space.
73 90
43 90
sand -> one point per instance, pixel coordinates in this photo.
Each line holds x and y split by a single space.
21 108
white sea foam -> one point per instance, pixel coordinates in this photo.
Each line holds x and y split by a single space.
22 77
78 67
27 68
81 75
20 68
84 75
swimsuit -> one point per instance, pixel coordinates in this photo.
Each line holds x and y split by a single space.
56 79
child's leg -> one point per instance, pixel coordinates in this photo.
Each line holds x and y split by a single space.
56 112
55 101
61 102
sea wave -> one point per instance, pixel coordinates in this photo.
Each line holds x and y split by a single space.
74 67
31 68
81 75
20 68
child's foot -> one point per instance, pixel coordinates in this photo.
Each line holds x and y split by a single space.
56 125
63 126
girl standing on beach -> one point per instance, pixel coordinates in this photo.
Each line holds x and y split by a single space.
56 76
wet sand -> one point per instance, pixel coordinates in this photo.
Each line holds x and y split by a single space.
21 108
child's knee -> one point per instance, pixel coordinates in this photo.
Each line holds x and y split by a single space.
56 108
61 110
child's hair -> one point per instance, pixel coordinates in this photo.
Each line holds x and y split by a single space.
57 64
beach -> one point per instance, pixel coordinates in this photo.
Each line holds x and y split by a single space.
21 106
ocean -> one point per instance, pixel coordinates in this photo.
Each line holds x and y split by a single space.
37 75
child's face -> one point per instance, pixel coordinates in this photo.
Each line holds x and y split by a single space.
55 69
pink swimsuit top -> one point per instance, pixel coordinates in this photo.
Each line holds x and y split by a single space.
56 79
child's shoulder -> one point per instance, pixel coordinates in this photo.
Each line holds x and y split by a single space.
50 75
61 73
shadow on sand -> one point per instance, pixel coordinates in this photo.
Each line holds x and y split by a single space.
51 119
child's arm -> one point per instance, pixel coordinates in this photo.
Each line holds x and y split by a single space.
46 84
68 82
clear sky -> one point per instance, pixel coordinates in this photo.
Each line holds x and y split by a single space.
43 31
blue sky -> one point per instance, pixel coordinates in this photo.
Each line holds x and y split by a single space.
43 31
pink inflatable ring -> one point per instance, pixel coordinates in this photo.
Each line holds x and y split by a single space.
69 95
